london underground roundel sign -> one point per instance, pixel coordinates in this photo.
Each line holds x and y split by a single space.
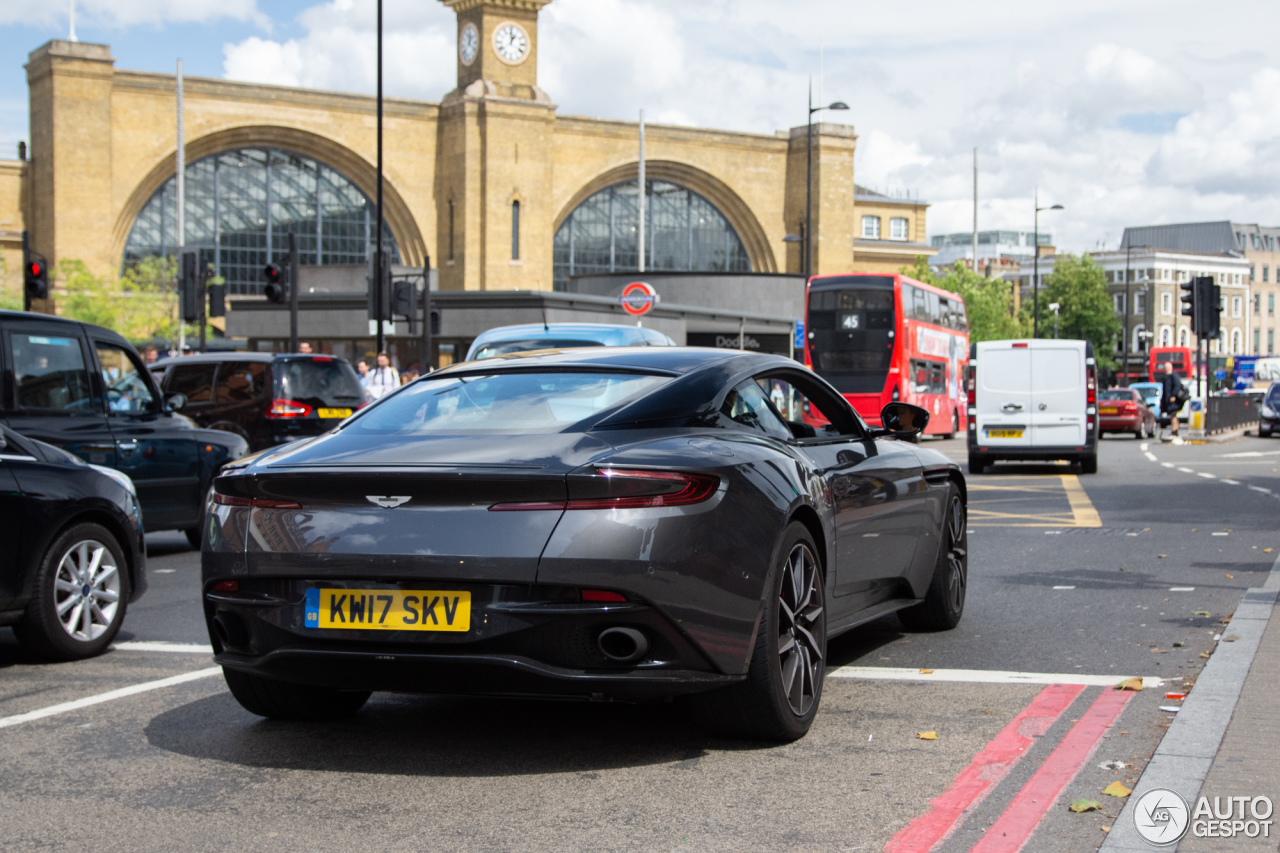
638 298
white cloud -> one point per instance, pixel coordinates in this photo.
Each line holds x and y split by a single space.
1123 115
128 13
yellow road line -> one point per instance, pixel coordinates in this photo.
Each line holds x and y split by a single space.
1081 508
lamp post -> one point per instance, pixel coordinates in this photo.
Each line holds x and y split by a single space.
1053 306
1127 311
1035 276
808 176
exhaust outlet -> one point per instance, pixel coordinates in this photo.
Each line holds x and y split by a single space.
623 644
231 630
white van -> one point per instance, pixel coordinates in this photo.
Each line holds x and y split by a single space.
1032 400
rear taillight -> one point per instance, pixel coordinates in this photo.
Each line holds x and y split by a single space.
263 503
1091 383
281 408
972 384
226 586
626 488
602 595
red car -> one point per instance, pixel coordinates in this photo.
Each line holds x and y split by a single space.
1124 410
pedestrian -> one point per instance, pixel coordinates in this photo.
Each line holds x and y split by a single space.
151 355
408 376
1173 396
384 378
362 368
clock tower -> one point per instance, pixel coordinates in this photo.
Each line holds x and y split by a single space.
493 184
498 46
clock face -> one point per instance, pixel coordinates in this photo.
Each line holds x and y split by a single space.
511 43
468 44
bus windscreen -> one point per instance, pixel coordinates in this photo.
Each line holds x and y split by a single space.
851 332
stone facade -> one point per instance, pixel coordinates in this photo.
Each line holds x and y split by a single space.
103 141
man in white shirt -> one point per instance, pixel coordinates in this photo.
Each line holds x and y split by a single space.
383 379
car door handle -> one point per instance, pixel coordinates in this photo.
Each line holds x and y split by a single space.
1011 407
128 446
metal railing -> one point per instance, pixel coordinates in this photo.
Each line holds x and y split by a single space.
1229 412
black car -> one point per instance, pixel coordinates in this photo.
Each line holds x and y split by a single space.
83 388
263 398
73 555
1269 413
627 523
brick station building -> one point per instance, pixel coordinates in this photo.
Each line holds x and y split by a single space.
492 186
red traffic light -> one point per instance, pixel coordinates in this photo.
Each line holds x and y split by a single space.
35 268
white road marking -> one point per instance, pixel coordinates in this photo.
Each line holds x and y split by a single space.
870 535
1218 534
1167 464
1150 456
1144 446
1207 476
1260 489
1230 482
982 676
88 701
180 648
163 571
1249 454
1186 470
1182 589
1064 587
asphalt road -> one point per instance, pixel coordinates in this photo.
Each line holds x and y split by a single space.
182 767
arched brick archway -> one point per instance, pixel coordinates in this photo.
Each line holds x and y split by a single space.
334 154
705 184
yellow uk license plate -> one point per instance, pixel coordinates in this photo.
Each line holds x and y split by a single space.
335 413
1107 411
389 609
1004 433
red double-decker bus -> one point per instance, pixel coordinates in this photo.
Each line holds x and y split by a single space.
1183 359
878 337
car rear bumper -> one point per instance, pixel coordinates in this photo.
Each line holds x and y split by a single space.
1033 453
1122 423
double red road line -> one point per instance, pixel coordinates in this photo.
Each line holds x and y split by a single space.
992 765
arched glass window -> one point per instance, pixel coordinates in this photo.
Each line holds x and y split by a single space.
241 206
683 231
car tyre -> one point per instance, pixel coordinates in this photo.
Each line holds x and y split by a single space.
780 696
943 604
195 534
978 464
1089 464
84 564
283 700
955 425
1264 432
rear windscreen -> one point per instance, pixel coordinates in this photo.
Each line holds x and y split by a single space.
1117 395
506 402
317 382
508 347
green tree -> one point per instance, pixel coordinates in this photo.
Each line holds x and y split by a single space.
9 302
1085 312
988 302
140 305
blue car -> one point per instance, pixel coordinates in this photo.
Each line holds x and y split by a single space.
1150 392
505 340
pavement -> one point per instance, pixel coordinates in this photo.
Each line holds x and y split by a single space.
1077 582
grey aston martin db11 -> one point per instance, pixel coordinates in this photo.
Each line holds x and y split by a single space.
621 523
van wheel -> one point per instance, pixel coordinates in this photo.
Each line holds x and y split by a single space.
977 464
1089 464
955 425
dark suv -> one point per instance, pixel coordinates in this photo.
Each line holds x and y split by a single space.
83 388
264 398
1269 414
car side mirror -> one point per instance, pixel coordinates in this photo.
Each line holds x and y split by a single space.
901 420
176 402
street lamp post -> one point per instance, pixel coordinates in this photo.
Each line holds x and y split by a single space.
1053 306
1035 276
1127 311
808 176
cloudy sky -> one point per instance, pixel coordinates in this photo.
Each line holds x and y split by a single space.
1125 112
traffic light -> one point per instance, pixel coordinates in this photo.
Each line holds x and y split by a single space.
1189 291
402 298
1210 309
277 289
36 276
217 300
189 288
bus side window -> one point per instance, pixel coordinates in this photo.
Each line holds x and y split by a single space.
920 304
935 311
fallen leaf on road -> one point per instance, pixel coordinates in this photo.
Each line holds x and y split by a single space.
1225 619
1266 550
1106 829
1161 556
1123 733
1231 577
1134 684
926 672
1201 613
1230 638
1177 644
1124 570
1159 651
1117 789
1086 806
927 735
1204 655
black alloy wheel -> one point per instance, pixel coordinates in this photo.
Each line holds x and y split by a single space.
783 689
943 604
